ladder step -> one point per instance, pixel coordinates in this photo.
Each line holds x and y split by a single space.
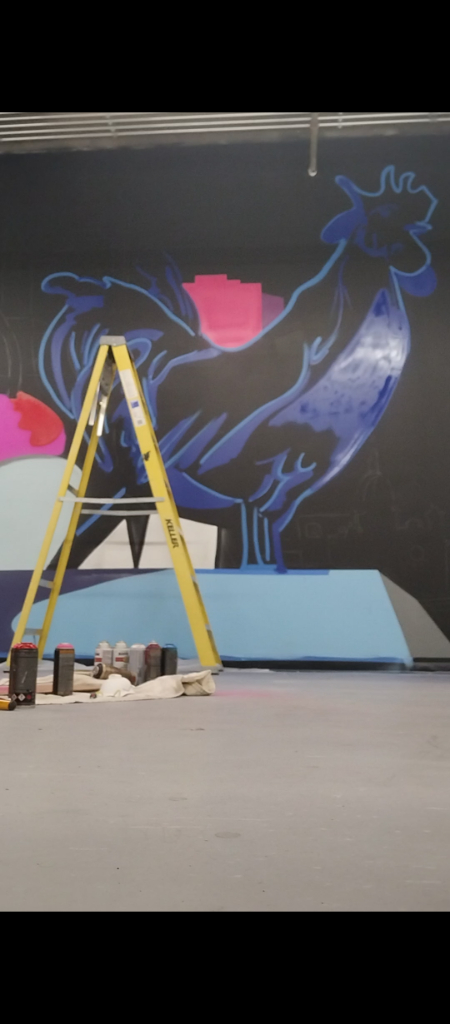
48 584
112 501
32 632
118 515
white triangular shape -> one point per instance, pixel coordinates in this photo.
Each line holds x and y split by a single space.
115 551
201 540
112 553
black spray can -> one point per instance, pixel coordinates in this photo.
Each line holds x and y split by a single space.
169 660
63 670
23 675
153 662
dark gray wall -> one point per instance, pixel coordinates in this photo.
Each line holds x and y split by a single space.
251 212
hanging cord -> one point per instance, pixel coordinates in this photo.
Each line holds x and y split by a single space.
312 170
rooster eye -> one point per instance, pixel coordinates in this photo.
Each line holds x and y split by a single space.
386 211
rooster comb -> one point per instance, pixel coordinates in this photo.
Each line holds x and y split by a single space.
400 202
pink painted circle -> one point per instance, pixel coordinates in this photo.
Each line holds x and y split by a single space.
29 427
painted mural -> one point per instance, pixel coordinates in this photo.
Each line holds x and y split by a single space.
257 404
259 401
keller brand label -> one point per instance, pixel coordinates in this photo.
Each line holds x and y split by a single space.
172 533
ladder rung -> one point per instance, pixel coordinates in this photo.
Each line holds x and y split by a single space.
112 501
118 515
32 632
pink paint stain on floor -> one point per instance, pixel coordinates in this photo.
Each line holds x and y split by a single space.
28 427
232 313
271 692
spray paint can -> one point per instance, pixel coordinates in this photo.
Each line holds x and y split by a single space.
104 654
169 660
153 662
121 655
63 670
136 664
23 675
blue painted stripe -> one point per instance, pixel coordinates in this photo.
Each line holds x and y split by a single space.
332 661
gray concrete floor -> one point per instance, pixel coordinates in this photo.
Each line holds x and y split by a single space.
284 792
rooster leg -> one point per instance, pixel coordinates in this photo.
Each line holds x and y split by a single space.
250 545
277 546
261 539
246 535
257 545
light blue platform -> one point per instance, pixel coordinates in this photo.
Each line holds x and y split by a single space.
336 615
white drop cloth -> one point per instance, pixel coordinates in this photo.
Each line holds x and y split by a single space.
196 684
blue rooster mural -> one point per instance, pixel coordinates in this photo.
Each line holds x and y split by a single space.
254 430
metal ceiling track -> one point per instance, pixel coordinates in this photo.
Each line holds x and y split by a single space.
29 131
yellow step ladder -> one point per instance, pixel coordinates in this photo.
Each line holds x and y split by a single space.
113 355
